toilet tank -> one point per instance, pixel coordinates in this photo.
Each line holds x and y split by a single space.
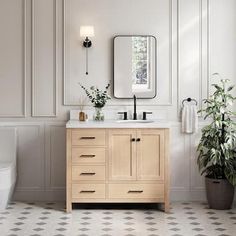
7 144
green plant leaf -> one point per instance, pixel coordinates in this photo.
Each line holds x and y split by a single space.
217 146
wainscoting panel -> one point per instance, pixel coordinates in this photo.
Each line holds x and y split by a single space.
44 58
192 50
179 163
30 158
197 185
13 58
55 142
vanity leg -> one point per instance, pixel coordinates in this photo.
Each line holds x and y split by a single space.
68 207
167 207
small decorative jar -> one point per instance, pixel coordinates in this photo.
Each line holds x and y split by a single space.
98 114
82 116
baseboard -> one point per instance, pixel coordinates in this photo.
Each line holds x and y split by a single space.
50 195
187 195
60 195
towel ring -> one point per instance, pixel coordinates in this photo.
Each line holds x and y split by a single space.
189 100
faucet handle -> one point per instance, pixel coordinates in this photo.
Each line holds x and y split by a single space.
125 114
145 114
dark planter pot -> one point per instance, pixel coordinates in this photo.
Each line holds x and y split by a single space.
220 193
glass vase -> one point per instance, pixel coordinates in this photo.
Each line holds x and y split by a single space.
98 114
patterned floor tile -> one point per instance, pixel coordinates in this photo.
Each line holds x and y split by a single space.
49 219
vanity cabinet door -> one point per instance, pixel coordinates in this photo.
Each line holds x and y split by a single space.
122 154
150 154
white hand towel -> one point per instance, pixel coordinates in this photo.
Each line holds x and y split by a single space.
189 118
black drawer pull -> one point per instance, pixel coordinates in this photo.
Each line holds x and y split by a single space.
88 173
138 139
87 156
87 138
135 191
87 191
133 139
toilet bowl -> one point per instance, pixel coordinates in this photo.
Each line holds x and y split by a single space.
7 165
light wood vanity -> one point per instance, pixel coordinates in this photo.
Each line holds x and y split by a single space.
117 165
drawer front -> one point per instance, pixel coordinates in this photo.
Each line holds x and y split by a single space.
136 191
88 155
88 172
83 191
88 137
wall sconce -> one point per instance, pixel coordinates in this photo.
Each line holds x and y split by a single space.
86 32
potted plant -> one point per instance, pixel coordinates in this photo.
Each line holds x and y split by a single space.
99 99
216 150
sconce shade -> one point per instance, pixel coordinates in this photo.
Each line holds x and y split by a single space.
86 31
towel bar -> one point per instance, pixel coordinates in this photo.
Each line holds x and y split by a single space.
189 100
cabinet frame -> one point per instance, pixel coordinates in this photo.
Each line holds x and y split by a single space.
131 133
159 156
164 178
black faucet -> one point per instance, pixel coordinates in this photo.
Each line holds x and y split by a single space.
135 112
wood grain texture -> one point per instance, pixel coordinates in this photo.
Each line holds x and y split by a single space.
81 155
88 191
122 165
150 154
136 191
88 137
122 154
88 172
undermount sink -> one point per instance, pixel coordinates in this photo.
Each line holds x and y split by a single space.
135 121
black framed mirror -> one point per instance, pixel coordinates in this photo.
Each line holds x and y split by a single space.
135 66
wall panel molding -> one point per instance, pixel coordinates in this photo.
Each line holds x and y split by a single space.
23 82
30 156
55 152
222 47
68 93
44 58
41 146
192 33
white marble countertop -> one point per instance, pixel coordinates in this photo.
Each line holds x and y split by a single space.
115 124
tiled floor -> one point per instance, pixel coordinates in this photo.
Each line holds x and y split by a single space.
49 219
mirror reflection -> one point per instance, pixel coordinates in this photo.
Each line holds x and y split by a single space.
134 66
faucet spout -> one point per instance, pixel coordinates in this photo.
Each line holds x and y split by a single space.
135 109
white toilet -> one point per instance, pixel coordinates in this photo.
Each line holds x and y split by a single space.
7 164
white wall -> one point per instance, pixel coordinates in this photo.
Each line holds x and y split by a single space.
42 62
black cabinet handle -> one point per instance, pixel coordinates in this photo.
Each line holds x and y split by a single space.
133 139
135 191
87 156
87 138
138 140
87 173
87 191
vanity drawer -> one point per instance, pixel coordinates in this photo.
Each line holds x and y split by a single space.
88 172
83 191
88 155
88 137
136 191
